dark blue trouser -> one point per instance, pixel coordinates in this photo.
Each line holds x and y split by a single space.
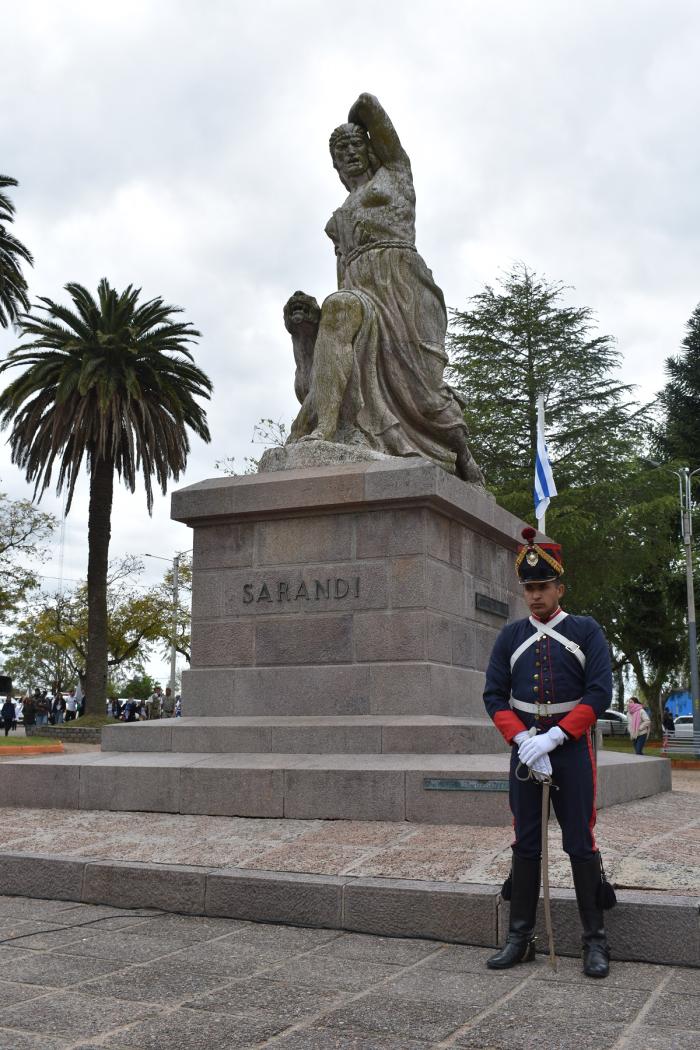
639 742
572 795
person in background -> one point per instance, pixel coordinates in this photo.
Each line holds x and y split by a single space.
41 706
71 706
168 703
178 706
7 714
638 724
49 698
154 701
58 709
29 711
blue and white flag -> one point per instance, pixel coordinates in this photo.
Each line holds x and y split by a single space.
544 481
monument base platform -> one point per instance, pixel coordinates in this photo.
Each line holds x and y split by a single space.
421 788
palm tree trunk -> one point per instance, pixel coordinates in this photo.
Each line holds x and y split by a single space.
99 530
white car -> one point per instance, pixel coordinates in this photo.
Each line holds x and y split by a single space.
683 727
613 723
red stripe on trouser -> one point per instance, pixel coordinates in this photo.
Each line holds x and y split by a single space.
594 774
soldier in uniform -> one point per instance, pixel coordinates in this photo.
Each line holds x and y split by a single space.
547 682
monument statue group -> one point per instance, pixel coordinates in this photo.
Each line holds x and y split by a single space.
370 361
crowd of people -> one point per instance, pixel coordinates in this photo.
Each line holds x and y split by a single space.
158 705
42 707
51 707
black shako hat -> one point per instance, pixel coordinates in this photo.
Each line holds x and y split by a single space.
538 562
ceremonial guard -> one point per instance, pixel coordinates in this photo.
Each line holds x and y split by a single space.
548 681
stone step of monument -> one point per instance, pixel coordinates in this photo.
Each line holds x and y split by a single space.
309 734
646 926
426 788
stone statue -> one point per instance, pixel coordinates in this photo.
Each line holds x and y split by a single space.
370 363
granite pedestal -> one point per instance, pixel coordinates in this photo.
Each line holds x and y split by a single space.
347 590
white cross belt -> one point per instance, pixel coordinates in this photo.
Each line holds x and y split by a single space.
542 629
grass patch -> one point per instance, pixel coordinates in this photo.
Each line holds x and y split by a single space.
623 743
90 722
24 741
652 750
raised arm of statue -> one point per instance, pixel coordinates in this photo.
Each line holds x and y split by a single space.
369 113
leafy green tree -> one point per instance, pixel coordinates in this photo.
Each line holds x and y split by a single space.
31 656
138 687
679 436
13 285
110 384
613 516
183 619
51 641
24 531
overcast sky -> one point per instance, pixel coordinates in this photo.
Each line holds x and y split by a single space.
184 148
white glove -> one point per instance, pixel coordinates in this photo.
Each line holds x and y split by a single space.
541 767
537 746
521 736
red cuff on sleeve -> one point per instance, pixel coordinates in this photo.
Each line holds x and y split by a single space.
508 724
578 721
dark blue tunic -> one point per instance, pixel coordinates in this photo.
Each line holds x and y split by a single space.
546 673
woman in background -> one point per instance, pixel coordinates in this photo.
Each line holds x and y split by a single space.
638 724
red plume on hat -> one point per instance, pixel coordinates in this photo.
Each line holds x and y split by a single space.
538 562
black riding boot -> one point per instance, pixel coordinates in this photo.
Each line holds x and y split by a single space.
596 954
520 942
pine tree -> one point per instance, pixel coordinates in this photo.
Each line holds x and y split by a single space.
516 342
679 438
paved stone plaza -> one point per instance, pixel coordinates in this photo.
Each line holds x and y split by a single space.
86 976
650 844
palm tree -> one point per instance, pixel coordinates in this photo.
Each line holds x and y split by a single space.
112 383
13 287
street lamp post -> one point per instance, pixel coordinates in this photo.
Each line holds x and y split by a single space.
685 476
173 626
173 643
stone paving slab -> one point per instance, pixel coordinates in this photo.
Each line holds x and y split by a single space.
220 984
649 844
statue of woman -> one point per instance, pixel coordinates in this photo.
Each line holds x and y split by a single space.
379 356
